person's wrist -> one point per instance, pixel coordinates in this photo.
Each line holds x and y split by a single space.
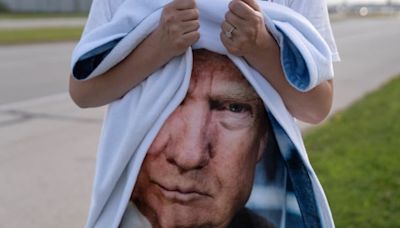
266 41
158 48
264 46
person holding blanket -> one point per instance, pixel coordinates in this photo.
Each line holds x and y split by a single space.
194 107
243 33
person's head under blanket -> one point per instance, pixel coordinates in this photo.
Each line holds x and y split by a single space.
200 168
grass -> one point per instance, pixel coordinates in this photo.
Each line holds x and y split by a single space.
357 158
23 15
39 35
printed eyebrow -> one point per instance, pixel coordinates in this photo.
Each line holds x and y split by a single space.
234 91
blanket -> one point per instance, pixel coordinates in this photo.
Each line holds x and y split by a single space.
132 123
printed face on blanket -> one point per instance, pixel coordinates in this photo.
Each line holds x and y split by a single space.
199 170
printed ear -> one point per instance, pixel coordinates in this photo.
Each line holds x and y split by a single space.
263 144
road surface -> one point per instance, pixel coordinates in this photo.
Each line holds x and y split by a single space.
41 22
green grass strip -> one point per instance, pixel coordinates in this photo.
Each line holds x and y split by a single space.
357 158
22 15
39 35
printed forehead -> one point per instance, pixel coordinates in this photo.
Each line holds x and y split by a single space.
220 72
206 60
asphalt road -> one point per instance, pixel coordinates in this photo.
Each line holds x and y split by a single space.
370 52
33 71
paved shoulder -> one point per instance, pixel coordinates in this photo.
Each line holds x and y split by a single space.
40 23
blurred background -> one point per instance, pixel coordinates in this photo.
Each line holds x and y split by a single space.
48 145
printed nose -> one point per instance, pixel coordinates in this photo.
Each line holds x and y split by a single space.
190 143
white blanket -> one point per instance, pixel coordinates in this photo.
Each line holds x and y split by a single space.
132 123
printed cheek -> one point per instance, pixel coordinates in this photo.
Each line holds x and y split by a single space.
161 141
172 127
157 146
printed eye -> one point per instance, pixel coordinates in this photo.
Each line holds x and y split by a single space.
232 107
237 107
233 115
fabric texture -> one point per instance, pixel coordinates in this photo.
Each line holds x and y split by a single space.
133 218
132 123
247 218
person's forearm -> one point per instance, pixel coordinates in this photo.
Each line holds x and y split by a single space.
243 33
177 30
312 106
113 84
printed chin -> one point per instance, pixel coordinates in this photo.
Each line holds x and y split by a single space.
178 215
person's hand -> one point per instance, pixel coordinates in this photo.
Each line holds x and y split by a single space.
243 31
178 28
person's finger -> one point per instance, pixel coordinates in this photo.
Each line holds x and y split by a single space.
184 4
225 40
240 9
226 28
191 37
190 26
229 44
253 4
188 15
234 20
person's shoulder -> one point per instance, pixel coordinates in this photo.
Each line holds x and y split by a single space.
247 218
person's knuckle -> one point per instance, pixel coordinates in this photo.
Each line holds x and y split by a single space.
187 4
222 25
189 39
191 3
222 37
169 8
177 3
196 24
169 18
196 13
196 36
227 16
234 5
257 18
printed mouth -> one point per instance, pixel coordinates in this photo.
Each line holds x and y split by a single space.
181 194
